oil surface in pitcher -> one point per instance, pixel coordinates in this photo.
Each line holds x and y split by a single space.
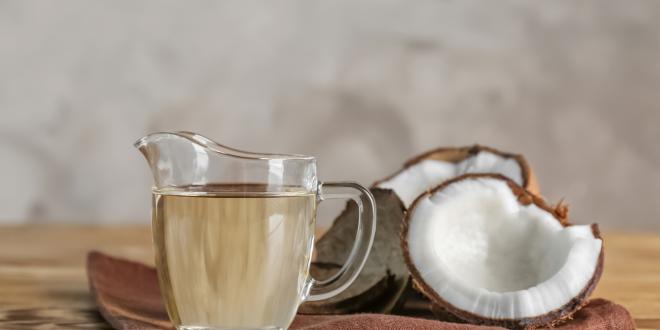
232 255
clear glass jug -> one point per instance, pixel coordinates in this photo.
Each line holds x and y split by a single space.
233 232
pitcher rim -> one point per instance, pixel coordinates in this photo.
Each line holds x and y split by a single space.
213 146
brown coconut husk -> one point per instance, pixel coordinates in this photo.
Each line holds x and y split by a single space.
384 276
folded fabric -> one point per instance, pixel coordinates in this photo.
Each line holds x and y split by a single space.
128 297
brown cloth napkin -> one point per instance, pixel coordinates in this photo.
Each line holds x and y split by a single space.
128 297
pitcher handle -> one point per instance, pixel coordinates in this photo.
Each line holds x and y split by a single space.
364 238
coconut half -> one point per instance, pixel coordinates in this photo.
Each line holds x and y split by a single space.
490 252
436 166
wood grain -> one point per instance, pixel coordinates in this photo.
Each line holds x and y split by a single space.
43 282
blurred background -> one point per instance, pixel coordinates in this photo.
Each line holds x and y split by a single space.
361 85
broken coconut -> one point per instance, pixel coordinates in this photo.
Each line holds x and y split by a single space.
436 166
383 283
490 252
432 168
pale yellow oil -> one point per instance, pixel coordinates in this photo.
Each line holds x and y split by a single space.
232 257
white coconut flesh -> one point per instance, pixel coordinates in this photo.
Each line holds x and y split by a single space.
483 252
418 178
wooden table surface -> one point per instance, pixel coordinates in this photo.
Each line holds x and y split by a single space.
43 282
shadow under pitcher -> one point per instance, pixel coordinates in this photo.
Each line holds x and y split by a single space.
233 232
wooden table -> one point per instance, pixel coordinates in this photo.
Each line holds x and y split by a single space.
43 282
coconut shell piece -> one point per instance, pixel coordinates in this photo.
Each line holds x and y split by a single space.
384 275
446 311
458 154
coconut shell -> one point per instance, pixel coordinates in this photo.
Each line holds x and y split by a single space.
444 309
458 154
384 276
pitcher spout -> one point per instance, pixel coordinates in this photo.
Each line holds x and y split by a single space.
175 159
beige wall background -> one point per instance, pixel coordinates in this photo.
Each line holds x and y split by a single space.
362 85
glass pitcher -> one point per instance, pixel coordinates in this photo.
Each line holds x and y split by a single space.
233 232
